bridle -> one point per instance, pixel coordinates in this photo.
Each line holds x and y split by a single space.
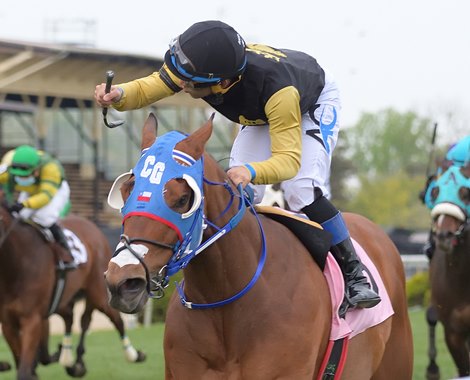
160 281
179 260
456 237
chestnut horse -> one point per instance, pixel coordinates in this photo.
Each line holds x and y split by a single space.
449 268
257 306
27 285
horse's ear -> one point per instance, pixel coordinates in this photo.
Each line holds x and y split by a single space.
149 132
194 144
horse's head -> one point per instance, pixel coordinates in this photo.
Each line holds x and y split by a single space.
451 210
161 202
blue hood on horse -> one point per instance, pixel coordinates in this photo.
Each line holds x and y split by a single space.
447 190
157 165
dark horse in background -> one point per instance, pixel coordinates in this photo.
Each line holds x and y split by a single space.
27 284
450 268
242 320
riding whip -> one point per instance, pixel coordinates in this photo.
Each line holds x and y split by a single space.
117 123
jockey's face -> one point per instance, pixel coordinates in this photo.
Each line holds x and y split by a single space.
201 90
195 92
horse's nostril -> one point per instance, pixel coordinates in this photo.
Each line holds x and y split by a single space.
132 285
444 235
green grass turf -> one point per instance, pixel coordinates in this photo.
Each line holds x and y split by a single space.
420 338
104 357
105 360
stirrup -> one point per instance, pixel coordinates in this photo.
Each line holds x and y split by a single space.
62 266
371 300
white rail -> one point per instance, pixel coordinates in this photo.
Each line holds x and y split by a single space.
414 264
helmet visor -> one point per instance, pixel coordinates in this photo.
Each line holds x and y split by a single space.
185 67
21 170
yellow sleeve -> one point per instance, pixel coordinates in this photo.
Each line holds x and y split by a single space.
4 177
284 118
49 183
145 91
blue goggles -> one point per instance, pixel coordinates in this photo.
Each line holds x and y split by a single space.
180 61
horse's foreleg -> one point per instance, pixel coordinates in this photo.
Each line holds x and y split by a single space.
12 336
132 355
458 350
79 367
43 352
432 370
31 333
65 349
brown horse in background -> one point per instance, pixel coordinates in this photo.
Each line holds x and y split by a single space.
27 284
449 278
280 327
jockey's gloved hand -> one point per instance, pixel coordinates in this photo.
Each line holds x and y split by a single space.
16 207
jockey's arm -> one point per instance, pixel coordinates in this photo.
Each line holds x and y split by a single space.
49 183
145 91
4 176
284 118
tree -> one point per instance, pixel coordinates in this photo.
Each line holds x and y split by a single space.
392 201
385 143
389 151
341 169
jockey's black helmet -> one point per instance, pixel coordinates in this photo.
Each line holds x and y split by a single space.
207 52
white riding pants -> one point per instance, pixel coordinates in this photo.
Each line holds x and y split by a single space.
320 128
49 214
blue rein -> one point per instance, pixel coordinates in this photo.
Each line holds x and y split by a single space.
232 223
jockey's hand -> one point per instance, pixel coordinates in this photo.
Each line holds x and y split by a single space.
16 207
239 174
104 99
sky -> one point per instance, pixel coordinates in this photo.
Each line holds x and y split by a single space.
409 55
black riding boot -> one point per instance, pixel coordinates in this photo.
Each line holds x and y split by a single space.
60 238
358 290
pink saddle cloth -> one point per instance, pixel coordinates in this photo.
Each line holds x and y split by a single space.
356 320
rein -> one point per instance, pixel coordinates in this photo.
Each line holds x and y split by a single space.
180 258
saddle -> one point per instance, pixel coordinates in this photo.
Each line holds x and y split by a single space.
311 234
60 254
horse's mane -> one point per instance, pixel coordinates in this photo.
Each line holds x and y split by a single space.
210 163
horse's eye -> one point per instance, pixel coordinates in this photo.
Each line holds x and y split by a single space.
434 193
130 186
464 194
126 188
182 202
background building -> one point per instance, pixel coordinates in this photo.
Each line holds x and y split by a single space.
46 100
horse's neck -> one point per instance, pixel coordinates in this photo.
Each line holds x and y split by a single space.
16 248
458 261
227 265
217 197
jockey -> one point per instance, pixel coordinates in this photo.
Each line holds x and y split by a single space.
457 155
288 107
43 191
